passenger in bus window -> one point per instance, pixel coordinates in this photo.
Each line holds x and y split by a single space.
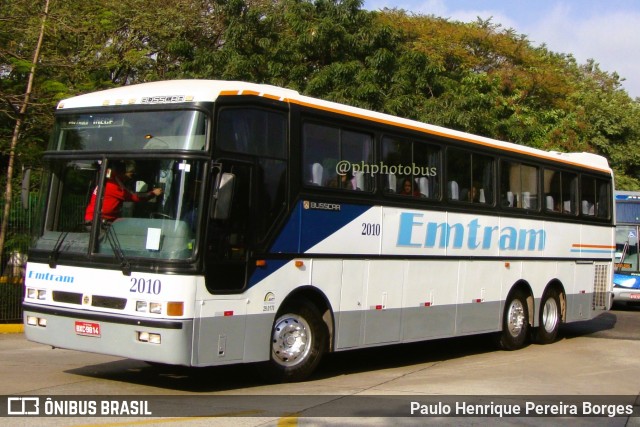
343 181
407 189
474 193
116 192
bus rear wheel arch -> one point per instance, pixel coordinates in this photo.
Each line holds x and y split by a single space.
299 338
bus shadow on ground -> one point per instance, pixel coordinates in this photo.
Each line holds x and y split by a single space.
596 327
234 377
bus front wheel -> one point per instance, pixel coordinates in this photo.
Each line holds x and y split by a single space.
515 322
298 341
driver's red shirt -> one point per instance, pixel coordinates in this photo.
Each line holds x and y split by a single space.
114 196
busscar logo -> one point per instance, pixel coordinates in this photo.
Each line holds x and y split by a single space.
23 406
323 206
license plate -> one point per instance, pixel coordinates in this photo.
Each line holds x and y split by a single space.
634 296
89 329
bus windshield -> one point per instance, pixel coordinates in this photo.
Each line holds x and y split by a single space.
150 130
140 208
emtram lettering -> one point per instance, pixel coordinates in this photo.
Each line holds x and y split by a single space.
50 277
445 235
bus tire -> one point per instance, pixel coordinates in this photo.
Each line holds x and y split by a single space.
550 318
298 342
515 322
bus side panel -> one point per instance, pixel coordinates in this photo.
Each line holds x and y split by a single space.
350 316
479 301
580 296
383 302
429 304
220 330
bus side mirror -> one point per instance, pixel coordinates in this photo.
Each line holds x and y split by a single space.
223 196
26 181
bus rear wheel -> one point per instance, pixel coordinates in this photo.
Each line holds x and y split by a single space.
515 322
298 341
549 325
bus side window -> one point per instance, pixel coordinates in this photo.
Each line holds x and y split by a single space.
326 152
472 173
588 196
518 185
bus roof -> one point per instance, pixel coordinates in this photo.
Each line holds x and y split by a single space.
178 91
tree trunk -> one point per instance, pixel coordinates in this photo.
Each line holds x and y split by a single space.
17 129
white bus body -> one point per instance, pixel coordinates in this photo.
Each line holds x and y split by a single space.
331 270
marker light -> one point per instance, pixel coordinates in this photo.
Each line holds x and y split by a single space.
175 308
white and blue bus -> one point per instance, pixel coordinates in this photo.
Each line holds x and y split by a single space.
289 227
626 278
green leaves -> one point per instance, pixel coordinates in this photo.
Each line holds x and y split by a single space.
476 77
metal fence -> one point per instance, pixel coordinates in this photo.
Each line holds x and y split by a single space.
14 257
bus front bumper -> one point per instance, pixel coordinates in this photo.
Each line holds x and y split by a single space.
152 340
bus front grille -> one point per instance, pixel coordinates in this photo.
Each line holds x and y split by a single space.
96 300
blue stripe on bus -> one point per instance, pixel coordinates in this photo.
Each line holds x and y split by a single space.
308 226
261 273
594 251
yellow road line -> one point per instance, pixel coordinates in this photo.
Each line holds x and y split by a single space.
173 420
288 421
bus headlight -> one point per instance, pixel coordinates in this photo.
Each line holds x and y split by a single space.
141 306
155 308
33 293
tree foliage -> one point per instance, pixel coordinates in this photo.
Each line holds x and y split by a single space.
476 77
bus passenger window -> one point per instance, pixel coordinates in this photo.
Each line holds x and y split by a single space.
561 191
411 168
337 158
594 197
470 177
518 185
588 196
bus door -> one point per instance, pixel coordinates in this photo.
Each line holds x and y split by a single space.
230 228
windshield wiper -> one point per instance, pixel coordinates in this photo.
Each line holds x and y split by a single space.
55 252
112 238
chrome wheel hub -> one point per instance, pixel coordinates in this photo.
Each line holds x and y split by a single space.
291 340
515 318
550 315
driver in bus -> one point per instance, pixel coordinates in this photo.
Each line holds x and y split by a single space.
115 193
